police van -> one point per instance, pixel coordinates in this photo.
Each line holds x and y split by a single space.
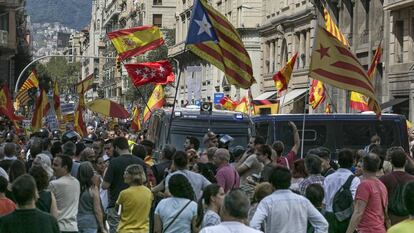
334 131
195 122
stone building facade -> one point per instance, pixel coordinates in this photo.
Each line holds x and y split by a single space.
200 80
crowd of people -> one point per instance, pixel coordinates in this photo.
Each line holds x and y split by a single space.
110 181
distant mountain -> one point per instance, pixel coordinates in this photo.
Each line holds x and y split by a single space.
72 13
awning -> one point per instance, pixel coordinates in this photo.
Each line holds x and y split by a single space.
393 102
292 96
267 95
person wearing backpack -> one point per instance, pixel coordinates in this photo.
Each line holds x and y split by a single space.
407 225
340 188
395 182
370 209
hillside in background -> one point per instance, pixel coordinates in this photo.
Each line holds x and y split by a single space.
71 13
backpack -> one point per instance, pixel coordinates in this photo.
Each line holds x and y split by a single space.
342 203
395 203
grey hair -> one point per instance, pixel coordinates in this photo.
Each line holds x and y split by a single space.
237 204
222 154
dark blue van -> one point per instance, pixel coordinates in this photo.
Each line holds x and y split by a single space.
334 131
192 122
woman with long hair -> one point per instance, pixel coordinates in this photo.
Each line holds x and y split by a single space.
177 214
90 215
46 201
209 206
135 201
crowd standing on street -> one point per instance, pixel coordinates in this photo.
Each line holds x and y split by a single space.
111 181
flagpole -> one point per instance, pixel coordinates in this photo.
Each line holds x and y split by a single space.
331 101
143 98
283 102
175 97
304 121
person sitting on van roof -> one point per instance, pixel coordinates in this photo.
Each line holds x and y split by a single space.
279 147
375 140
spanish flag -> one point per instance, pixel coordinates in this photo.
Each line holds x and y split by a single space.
136 120
359 101
157 100
6 104
333 63
84 85
56 101
282 77
228 103
41 109
79 124
317 93
242 106
135 41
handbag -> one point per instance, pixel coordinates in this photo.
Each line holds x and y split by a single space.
176 216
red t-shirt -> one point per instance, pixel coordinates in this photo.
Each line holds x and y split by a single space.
6 206
374 193
287 161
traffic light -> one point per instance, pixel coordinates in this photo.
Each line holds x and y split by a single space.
118 66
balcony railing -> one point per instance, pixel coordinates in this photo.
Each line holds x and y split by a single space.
4 38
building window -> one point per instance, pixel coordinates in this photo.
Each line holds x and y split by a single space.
157 20
157 2
399 41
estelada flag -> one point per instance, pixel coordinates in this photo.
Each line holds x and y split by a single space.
228 103
136 120
159 72
333 63
6 104
213 38
56 101
135 41
84 85
359 101
41 109
79 123
157 100
317 93
32 81
282 77
242 106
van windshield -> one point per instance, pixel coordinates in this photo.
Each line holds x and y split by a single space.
181 129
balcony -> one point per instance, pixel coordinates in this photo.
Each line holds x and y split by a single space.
4 38
111 12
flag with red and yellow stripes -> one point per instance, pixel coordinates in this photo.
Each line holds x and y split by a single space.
282 77
84 85
242 106
134 41
41 109
317 93
136 120
56 101
359 101
228 103
213 38
333 63
157 100
79 123
32 81
333 28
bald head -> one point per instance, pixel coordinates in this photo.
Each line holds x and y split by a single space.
221 156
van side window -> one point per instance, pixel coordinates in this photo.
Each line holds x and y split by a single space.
356 134
388 132
315 134
262 129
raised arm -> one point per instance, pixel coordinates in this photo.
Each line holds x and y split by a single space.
296 139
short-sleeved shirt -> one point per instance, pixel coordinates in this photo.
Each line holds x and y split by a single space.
197 181
228 178
265 174
210 218
374 193
406 226
168 208
136 204
312 179
6 206
255 167
115 175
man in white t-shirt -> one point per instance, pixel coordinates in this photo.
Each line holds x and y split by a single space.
234 213
66 190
